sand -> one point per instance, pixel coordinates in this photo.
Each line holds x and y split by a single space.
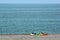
30 37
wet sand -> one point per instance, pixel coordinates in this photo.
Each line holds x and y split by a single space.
30 37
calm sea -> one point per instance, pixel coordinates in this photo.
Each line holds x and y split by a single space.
27 18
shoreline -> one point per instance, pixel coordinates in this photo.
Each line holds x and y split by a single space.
26 34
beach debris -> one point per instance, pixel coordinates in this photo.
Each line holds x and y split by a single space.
32 33
35 34
43 34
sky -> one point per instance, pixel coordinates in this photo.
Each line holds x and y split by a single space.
29 1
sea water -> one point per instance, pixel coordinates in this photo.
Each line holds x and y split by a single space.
27 18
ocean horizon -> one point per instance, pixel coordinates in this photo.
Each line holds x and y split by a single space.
27 18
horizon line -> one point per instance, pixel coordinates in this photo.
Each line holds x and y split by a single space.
29 3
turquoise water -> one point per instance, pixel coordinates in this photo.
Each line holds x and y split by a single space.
27 18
